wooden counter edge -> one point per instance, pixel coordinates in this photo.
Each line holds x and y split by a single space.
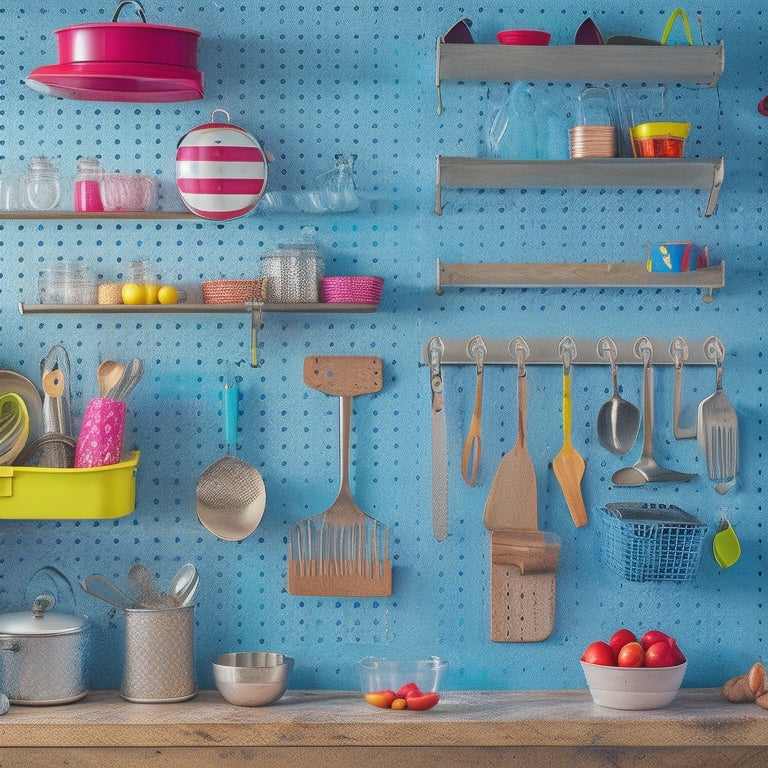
697 717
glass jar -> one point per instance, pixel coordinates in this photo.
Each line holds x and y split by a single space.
87 195
293 272
43 188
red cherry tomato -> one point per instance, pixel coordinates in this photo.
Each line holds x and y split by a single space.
679 655
404 690
383 699
620 638
599 652
631 655
660 655
652 636
421 701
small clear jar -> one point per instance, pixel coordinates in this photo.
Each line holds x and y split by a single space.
43 188
87 193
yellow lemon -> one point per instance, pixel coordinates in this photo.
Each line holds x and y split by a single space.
134 294
152 294
167 295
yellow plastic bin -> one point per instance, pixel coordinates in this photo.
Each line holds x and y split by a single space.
42 493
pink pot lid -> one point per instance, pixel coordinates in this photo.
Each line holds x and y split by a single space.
115 81
127 25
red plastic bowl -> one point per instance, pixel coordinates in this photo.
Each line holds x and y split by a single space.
523 37
659 147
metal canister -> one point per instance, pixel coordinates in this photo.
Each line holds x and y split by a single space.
159 655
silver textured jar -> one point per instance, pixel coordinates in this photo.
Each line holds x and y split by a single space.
44 655
159 655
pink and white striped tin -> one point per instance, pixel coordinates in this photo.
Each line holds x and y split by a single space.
221 170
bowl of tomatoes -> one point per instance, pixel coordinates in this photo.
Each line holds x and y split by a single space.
630 673
401 684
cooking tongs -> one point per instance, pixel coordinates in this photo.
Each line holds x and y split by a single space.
477 350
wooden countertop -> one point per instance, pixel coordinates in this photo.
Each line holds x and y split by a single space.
463 727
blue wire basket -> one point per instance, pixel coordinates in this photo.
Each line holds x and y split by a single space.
651 542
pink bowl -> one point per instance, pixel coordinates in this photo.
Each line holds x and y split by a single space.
523 37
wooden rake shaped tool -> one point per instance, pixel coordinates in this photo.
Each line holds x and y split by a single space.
342 551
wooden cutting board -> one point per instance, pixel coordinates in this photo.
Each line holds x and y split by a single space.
523 585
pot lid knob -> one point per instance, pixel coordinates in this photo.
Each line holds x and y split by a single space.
42 604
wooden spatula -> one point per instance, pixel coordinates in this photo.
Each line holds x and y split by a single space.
512 500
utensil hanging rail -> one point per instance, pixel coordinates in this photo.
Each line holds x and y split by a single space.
544 351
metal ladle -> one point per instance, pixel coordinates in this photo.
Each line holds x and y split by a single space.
646 469
618 420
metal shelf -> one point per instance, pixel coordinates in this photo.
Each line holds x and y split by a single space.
700 64
621 275
171 309
477 173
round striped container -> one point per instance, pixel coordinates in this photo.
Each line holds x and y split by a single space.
221 170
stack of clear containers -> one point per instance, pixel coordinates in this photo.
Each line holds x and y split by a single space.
67 282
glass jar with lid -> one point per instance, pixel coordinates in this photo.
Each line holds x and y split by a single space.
41 181
87 195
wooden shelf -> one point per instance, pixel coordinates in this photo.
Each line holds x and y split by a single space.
700 64
176 309
307 728
621 275
478 173
70 215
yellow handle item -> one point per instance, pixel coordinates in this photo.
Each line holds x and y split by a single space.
671 23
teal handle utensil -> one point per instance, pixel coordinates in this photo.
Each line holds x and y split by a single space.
231 405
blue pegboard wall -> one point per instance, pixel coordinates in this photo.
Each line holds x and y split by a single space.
312 82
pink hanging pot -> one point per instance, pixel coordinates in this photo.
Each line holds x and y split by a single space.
126 62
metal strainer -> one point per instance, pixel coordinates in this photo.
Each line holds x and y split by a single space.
231 495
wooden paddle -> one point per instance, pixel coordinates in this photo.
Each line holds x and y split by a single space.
512 500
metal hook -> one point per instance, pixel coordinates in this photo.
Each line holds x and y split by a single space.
519 349
607 350
567 351
436 348
477 350
678 351
644 349
714 349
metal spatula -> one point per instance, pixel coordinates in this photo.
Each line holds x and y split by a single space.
718 426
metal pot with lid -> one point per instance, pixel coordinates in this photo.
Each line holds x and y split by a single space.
44 655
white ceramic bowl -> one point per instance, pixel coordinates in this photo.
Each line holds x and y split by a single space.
633 687
252 679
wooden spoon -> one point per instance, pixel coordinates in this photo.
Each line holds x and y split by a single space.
108 374
568 465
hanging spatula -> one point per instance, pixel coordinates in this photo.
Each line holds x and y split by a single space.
342 551
512 500
568 465
718 426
